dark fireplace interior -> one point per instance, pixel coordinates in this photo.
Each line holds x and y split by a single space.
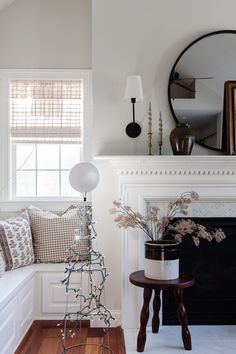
212 300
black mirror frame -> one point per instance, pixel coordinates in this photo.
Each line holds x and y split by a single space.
172 72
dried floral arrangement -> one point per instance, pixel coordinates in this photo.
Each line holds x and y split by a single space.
157 226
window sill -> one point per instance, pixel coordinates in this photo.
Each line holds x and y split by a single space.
49 204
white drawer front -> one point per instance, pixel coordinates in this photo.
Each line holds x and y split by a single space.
8 327
54 296
26 307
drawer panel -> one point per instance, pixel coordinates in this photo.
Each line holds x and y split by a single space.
26 307
8 327
54 296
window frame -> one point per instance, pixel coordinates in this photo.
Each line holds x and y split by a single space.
36 170
6 75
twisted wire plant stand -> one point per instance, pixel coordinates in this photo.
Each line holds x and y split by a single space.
93 273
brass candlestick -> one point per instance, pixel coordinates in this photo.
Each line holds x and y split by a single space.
150 130
160 134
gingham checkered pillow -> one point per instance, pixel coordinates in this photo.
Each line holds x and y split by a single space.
54 233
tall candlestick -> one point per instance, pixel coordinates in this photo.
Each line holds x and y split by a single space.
150 130
160 134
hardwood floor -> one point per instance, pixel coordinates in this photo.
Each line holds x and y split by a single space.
44 337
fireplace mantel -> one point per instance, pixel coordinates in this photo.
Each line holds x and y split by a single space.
213 176
145 179
169 165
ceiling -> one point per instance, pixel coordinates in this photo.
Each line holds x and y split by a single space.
5 3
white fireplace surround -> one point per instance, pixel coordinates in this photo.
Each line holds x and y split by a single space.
148 179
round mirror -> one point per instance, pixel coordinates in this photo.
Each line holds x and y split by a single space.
196 86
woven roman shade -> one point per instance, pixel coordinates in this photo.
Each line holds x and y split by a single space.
46 111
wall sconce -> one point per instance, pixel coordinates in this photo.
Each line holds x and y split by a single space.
134 93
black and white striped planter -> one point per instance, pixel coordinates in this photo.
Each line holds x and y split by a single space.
161 260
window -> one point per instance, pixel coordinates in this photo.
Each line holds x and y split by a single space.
46 110
42 170
47 131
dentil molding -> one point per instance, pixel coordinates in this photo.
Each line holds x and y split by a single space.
172 165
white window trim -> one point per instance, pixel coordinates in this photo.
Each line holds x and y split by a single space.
6 75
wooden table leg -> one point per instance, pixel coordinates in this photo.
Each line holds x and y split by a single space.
141 340
156 310
183 318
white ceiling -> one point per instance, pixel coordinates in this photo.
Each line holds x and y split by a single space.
5 3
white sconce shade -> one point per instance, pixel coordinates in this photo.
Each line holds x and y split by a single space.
134 88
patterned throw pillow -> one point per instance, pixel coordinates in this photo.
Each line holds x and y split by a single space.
54 233
2 263
16 241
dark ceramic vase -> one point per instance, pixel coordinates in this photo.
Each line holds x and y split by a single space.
182 139
161 260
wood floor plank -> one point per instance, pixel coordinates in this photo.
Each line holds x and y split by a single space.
49 345
93 345
115 340
32 340
80 338
43 338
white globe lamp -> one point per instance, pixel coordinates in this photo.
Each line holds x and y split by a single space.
84 177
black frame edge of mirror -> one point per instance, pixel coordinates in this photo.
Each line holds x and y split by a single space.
172 70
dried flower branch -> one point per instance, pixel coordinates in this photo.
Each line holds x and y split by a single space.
156 226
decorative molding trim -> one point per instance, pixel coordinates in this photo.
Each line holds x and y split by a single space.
175 172
172 165
97 323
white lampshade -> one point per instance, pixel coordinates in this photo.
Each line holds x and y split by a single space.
84 177
134 88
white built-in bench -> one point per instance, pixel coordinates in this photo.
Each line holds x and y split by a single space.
34 292
30 293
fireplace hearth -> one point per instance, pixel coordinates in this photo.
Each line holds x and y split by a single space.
212 300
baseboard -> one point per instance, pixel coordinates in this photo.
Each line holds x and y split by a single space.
93 324
97 323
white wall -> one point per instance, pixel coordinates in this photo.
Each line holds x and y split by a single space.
5 3
46 34
143 37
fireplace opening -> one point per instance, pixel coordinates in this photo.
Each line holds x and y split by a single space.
212 300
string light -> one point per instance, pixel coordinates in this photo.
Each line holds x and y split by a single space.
91 305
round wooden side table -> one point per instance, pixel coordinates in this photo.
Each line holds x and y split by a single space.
177 286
